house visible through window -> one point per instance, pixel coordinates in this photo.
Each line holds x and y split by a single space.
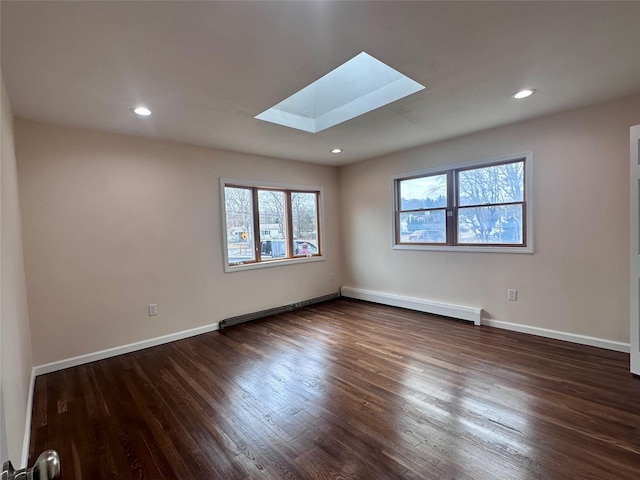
473 205
268 224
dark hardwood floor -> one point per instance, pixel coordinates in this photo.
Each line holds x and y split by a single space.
346 390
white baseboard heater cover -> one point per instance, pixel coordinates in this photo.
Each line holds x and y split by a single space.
461 312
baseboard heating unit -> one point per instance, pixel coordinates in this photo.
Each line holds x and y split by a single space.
461 312
229 322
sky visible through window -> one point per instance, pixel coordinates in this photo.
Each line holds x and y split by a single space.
425 187
488 208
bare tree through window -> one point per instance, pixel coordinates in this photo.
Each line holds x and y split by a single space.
267 224
477 205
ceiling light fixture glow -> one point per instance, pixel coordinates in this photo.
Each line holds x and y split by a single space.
523 93
142 111
336 150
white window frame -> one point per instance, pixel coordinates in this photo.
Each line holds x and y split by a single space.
277 186
528 175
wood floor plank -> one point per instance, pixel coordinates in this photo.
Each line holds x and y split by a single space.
346 390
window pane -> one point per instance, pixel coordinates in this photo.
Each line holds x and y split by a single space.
304 216
272 223
239 214
496 184
424 192
495 224
423 227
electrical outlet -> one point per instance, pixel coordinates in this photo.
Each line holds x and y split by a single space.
331 276
512 295
153 309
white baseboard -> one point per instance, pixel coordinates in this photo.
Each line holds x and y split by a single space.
461 312
27 422
474 315
557 335
112 352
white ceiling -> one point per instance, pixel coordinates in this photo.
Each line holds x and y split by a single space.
206 69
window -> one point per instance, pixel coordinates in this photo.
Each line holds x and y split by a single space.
479 206
269 224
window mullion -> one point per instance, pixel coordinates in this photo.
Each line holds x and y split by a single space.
289 223
256 225
452 214
398 211
319 232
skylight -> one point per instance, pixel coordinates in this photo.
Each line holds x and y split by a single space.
356 87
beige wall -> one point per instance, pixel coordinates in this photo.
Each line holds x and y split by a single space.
577 279
14 316
114 223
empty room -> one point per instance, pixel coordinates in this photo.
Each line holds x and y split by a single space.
320 239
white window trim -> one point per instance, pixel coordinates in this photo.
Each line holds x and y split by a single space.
271 263
528 165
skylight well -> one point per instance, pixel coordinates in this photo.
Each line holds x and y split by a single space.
356 87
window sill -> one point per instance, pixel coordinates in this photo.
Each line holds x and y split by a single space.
273 263
478 249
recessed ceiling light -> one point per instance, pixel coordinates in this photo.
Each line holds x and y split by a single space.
336 150
523 93
142 111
